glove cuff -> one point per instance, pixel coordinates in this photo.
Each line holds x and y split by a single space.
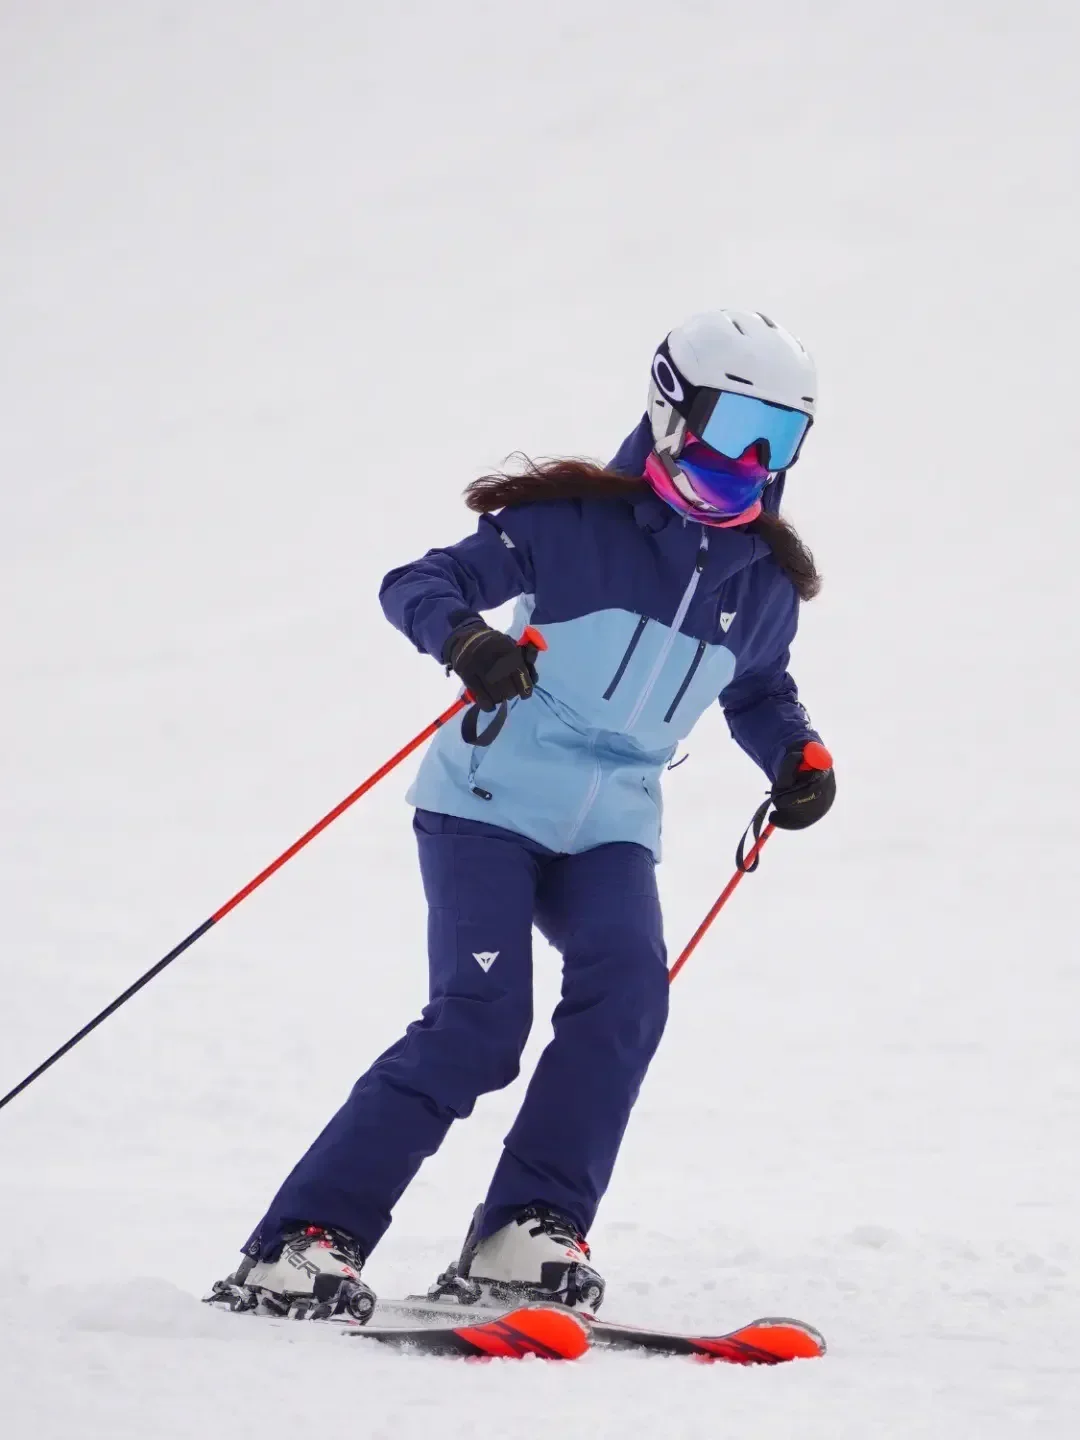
453 647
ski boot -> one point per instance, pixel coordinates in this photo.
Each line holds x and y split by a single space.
315 1276
538 1257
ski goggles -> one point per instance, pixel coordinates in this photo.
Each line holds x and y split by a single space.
730 423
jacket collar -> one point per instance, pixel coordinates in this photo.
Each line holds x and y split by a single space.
652 514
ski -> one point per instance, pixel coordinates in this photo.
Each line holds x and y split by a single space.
555 1333
548 1331
762 1342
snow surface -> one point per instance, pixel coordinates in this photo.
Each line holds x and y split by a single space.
276 280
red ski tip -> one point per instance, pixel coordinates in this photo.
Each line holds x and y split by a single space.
771 1342
762 1342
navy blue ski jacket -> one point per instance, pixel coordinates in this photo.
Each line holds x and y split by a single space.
648 618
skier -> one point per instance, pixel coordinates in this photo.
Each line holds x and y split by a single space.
657 584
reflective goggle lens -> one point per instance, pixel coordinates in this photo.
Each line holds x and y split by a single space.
740 420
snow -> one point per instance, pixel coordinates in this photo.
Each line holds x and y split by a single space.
275 282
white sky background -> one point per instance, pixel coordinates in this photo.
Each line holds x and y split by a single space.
276 280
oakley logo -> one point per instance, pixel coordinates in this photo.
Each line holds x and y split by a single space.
485 959
667 380
725 620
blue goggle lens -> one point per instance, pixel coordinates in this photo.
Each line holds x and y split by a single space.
737 421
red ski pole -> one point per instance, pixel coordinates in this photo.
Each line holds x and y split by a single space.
725 896
815 757
530 637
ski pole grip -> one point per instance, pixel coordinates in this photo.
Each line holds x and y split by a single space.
815 756
471 733
531 636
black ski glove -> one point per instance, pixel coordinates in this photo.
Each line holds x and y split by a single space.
805 787
493 667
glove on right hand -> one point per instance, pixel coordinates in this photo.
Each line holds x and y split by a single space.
805 787
492 666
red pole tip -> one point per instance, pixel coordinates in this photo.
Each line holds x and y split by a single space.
533 637
815 757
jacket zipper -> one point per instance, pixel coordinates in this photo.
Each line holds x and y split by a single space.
643 620
686 682
665 649
587 803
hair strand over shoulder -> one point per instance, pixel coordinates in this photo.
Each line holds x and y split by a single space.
584 480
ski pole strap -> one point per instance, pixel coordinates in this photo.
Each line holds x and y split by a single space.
532 642
470 725
757 824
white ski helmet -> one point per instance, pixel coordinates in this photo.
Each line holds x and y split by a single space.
740 391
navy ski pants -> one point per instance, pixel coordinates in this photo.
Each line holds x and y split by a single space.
485 888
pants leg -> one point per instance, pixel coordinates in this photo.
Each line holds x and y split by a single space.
601 909
480 884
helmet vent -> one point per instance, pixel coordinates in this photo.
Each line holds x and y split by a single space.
739 379
738 327
770 323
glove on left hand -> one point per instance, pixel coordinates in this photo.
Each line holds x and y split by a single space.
803 792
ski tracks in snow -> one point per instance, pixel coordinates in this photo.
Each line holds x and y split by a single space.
928 1336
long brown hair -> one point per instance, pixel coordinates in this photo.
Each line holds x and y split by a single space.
582 480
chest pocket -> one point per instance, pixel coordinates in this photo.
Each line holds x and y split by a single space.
685 698
635 638
699 655
663 681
